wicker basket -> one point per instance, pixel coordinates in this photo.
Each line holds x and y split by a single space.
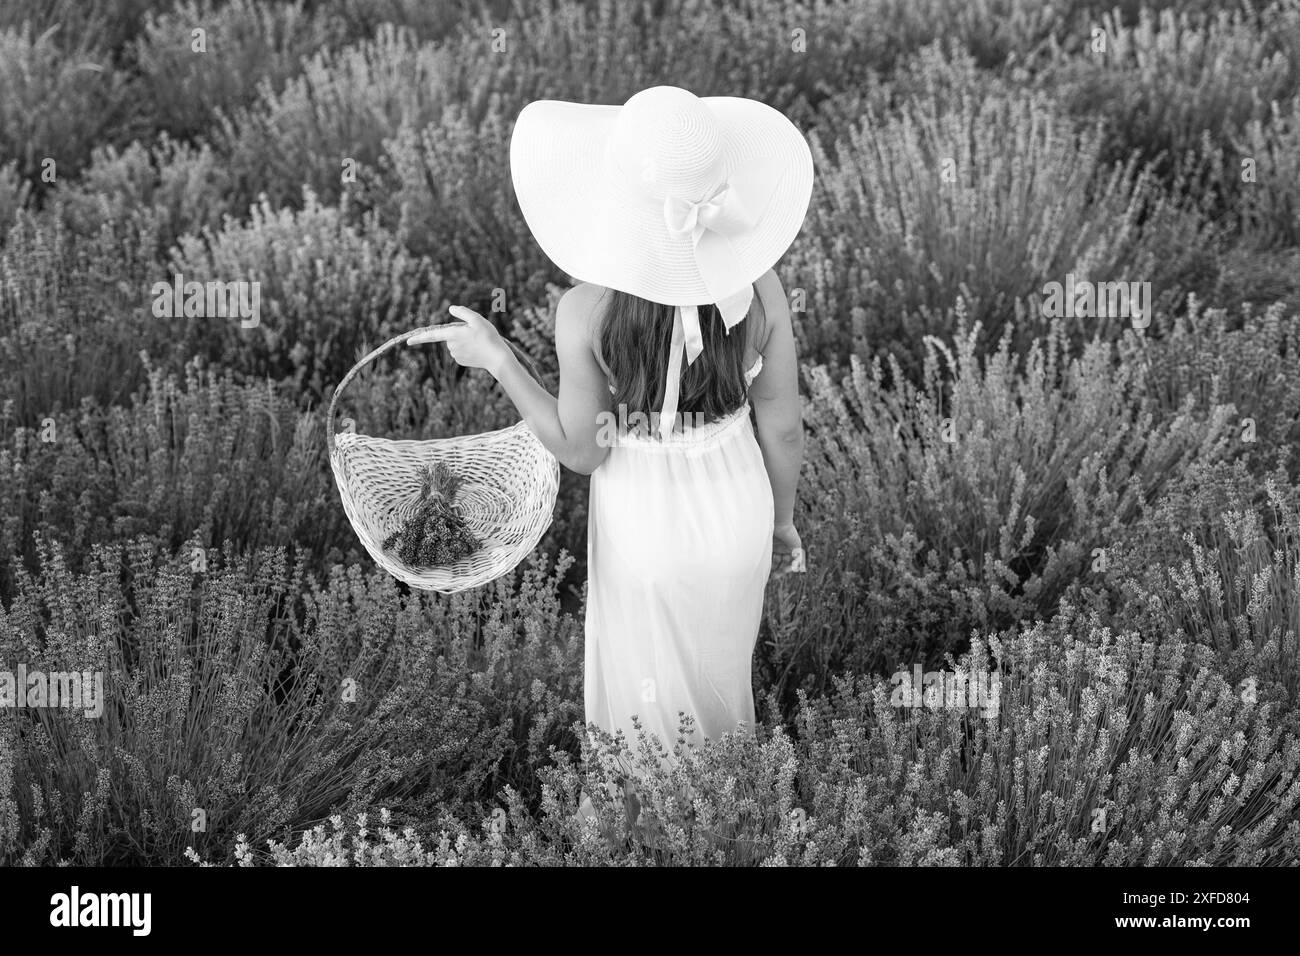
507 492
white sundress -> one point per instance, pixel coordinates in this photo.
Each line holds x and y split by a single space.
679 550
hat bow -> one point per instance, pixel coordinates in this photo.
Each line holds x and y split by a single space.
730 209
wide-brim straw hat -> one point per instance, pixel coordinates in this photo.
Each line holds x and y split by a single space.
592 181
675 198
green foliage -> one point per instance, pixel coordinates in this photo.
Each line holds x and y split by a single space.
201 460
170 189
14 194
1245 360
346 102
1269 204
247 44
74 314
110 23
973 500
339 108
1229 582
986 198
1105 749
55 105
428 21
446 194
330 291
263 698
1175 75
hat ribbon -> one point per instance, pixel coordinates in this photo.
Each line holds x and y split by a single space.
733 207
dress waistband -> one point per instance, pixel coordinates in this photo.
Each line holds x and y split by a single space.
692 438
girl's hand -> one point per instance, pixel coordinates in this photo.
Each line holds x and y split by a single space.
787 551
473 342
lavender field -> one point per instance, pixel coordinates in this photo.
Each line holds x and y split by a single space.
1047 305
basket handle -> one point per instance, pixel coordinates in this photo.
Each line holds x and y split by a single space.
529 366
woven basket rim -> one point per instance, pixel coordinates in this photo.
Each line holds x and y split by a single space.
494 433
536 505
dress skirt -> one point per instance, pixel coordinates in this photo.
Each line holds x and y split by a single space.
679 552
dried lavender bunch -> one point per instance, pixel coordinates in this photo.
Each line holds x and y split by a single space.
436 534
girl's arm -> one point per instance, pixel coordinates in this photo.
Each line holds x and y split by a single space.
569 426
775 397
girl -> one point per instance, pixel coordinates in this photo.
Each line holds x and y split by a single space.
671 210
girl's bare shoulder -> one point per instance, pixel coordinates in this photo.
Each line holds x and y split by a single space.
581 305
771 292
586 293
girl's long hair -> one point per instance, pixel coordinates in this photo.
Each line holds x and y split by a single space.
634 337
